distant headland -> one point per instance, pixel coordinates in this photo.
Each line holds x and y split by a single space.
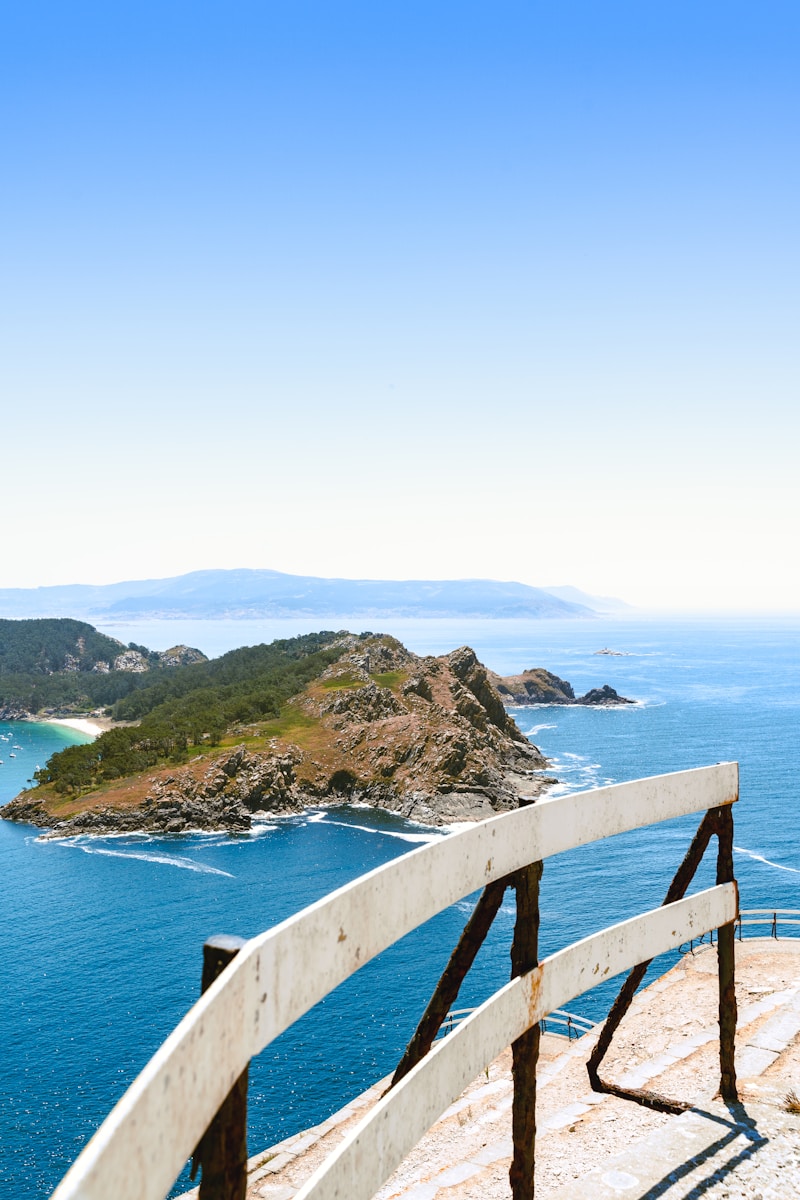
243 594
59 667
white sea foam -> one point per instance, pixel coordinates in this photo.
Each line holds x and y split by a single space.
538 728
258 830
767 862
139 834
316 816
559 789
165 860
506 912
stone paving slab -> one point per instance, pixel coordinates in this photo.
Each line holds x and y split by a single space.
726 1151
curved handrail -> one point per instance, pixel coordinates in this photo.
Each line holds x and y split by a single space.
749 916
281 974
571 1021
366 1158
769 916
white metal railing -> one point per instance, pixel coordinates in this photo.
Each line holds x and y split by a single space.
768 916
572 1022
569 1021
774 917
278 976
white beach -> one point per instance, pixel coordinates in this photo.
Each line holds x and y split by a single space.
93 726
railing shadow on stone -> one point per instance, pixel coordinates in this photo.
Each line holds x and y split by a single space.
191 1097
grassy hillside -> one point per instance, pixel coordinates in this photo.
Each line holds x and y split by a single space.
329 718
193 706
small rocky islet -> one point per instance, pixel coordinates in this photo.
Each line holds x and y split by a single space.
538 686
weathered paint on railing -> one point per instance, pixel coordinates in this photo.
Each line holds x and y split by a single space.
141 1147
368 1156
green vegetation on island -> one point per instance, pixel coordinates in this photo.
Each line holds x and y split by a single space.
40 647
56 664
192 706
327 718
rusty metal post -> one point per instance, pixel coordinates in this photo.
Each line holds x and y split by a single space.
222 1150
525 1050
709 825
726 964
447 988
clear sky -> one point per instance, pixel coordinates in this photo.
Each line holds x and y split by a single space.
403 289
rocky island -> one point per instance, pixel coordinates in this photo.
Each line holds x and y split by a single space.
426 738
538 686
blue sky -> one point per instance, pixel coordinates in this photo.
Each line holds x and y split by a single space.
403 290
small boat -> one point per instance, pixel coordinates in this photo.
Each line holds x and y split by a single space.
12 756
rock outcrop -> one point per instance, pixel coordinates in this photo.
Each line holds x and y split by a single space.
426 738
603 695
14 712
224 796
538 686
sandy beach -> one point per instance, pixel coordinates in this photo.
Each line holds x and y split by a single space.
93 726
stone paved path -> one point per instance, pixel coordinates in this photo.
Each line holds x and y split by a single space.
598 1147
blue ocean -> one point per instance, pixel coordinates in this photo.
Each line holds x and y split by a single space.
101 938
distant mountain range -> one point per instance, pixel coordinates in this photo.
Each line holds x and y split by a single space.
251 593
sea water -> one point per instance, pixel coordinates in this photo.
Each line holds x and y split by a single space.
101 937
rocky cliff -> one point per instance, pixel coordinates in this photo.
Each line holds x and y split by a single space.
427 738
537 686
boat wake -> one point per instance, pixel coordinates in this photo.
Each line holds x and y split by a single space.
404 837
164 860
767 862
